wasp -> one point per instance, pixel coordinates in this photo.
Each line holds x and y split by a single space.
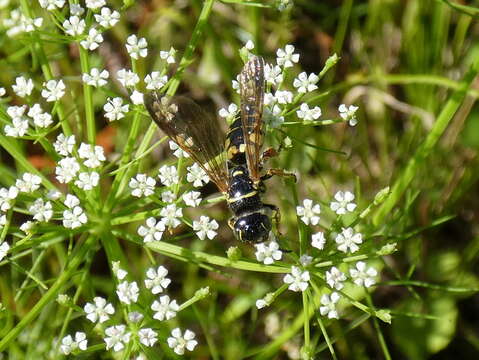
232 161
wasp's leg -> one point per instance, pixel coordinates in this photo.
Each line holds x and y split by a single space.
278 172
231 223
268 154
276 215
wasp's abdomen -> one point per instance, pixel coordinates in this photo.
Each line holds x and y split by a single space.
243 196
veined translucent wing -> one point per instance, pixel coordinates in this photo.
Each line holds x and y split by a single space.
194 131
252 100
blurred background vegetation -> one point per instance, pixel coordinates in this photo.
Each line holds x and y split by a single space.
400 62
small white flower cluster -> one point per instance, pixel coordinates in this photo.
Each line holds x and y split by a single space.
335 278
21 121
19 23
117 337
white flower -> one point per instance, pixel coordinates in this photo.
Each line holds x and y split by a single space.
16 111
235 84
197 175
261 303
68 345
283 97
147 336
41 211
28 25
67 169
142 185
40 118
155 81
51 4
305 259
171 214
348 240
54 195
94 4
23 87
268 253
93 155
229 113
309 212
286 56
71 201
27 226
76 9
306 83
116 337
178 342
192 198
137 97
318 240
344 202
136 47
205 228
153 231
168 175
7 196
298 280
100 311
74 26
3 221
168 196
73 218
249 45
53 90
169 56
308 114
114 109
335 278
87 181
348 113
178 152
28 183
135 317
273 74
2 91
157 280
329 305
4 247
64 144
96 78
164 309
362 276
127 292
118 271
93 39
18 128
127 78
107 18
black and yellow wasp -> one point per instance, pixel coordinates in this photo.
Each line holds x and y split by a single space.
236 171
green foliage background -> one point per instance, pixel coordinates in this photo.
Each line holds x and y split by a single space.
411 67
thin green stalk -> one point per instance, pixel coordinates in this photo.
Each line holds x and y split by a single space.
380 335
190 48
88 97
76 259
426 148
307 336
38 52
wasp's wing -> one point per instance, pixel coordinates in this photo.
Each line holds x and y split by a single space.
252 99
193 130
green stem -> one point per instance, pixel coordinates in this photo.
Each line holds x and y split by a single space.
426 148
88 98
190 48
51 294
